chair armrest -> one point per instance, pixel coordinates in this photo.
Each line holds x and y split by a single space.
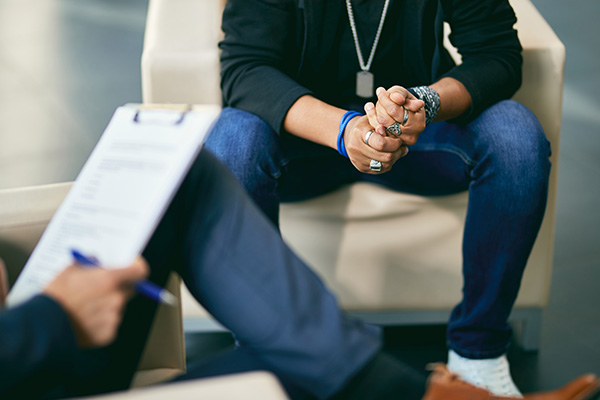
259 385
24 214
180 51
543 69
542 93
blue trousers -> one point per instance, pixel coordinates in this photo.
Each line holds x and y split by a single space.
501 158
235 263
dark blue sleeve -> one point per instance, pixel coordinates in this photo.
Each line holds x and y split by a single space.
34 337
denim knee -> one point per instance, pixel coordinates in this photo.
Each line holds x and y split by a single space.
251 150
244 142
510 136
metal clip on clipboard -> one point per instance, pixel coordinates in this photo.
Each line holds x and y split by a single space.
168 114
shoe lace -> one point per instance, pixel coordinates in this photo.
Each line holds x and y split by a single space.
495 378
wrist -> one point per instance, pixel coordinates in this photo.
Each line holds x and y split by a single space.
431 98
344 122
350 126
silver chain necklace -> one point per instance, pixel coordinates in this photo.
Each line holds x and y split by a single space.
364 78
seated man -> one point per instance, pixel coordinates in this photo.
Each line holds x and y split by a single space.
296 77
235 263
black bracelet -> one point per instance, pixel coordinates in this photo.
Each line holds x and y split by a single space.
431 99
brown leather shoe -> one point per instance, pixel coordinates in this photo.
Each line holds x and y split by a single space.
444 385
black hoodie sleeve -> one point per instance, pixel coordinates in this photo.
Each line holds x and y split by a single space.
258 58
483 33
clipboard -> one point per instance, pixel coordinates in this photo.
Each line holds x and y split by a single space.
122 191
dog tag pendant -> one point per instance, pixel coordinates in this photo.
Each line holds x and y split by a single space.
364 84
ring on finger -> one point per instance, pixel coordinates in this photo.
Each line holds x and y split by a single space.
395 129
368 136
375 165
405 119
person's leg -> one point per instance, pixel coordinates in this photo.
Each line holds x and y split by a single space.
236 264
506 204
251 150
382 378
502 158
112 368
507 201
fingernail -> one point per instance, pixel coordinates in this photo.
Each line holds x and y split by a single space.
369 106
378 91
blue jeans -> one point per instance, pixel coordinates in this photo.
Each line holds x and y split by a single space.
237 266
501 158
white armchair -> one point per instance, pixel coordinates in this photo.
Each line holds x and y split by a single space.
418 280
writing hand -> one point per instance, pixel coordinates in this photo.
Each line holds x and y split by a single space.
94 299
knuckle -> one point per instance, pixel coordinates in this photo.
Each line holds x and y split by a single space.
382 119
393 110
375 144
397 145
351 147
386 157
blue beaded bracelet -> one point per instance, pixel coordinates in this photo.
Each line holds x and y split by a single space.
341 146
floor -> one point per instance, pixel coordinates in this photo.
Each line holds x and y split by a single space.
65 67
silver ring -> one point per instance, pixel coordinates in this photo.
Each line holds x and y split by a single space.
405 117
395 129
375 165
368 136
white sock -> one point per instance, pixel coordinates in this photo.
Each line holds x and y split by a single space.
492 374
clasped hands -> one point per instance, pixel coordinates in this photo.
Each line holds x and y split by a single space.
383 145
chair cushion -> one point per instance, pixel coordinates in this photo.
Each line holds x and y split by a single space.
373 247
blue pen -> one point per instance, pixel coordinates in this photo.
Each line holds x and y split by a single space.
146 288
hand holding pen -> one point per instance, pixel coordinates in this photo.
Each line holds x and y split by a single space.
144 287
94 299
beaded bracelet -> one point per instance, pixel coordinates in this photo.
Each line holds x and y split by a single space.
431 99
341 146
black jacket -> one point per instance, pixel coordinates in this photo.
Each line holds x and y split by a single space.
274 51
